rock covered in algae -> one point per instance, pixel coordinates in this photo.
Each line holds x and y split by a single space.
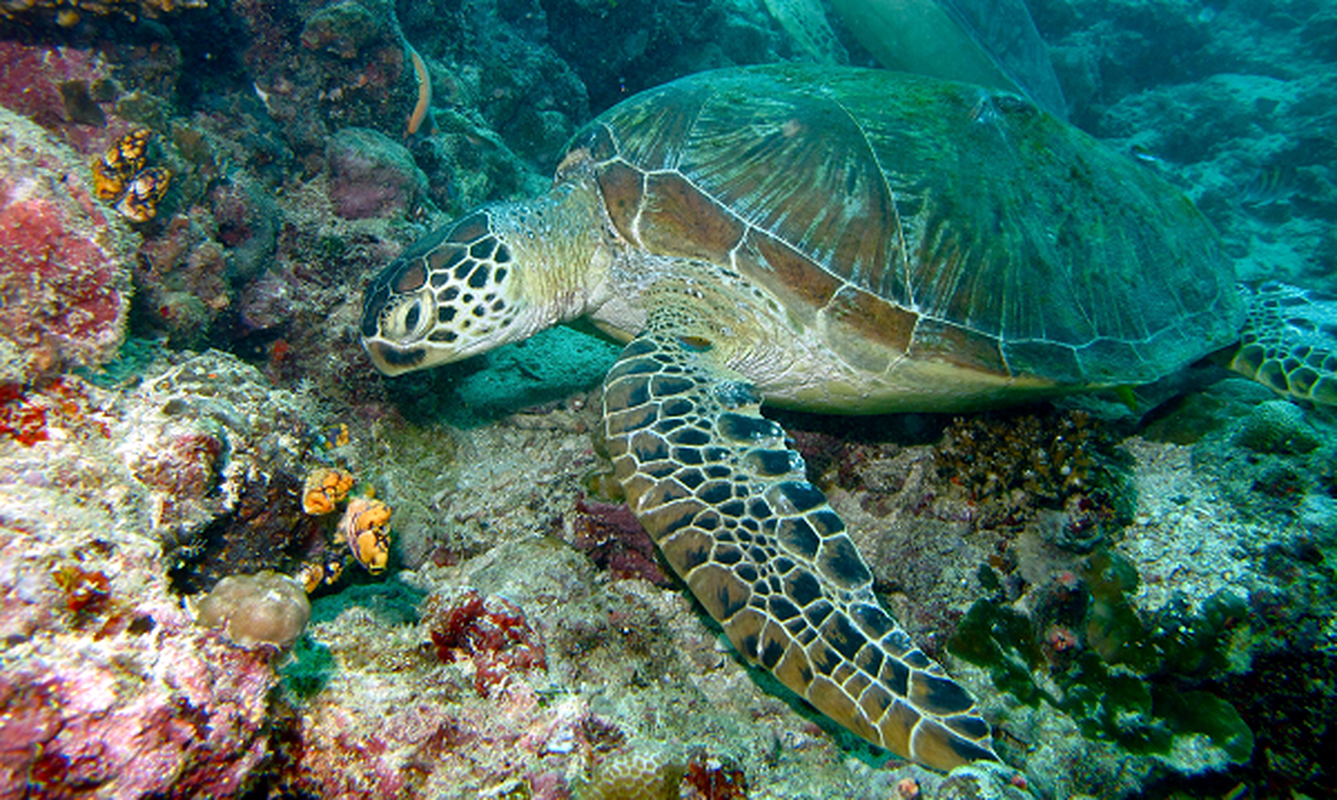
221 455
371 175
64 259
106 684
1277 426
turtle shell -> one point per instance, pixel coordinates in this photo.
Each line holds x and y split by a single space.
946 220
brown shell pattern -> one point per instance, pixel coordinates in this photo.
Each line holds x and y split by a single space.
959 222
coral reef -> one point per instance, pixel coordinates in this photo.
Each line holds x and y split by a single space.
206 434
1158 590
68 14
105 683
711 779
63 90
634 776
610 535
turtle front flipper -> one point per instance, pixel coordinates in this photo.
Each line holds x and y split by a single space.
728 505
1289 342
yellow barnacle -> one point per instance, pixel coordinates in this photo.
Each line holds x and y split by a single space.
365 527
129 154
324 489
311 575
143 194
108 184
126 157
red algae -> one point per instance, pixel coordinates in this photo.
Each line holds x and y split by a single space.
493 633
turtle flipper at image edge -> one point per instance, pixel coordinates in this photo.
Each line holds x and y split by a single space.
1289 342
837 240
728 505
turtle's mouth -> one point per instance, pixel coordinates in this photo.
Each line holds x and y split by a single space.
392 359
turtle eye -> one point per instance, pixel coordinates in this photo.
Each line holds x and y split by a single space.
407 321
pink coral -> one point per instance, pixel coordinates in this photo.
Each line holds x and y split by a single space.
371 175
64 277
81 721
63 292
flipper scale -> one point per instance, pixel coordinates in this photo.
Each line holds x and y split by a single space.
728 504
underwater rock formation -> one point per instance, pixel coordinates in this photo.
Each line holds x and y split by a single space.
371 175
106 684
64 260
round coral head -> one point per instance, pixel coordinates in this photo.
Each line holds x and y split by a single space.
264 608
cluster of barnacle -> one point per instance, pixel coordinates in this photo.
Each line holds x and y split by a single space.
364 527
1049 457
121 176
271 608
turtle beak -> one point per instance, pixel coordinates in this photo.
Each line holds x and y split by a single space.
398 309
391 359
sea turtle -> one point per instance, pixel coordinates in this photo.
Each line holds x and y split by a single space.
834 239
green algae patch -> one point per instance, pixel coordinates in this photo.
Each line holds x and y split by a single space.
1129 678
1002 640
309 669
1113 628
1204 712
1114 703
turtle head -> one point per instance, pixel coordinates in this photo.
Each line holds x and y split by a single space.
449 296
